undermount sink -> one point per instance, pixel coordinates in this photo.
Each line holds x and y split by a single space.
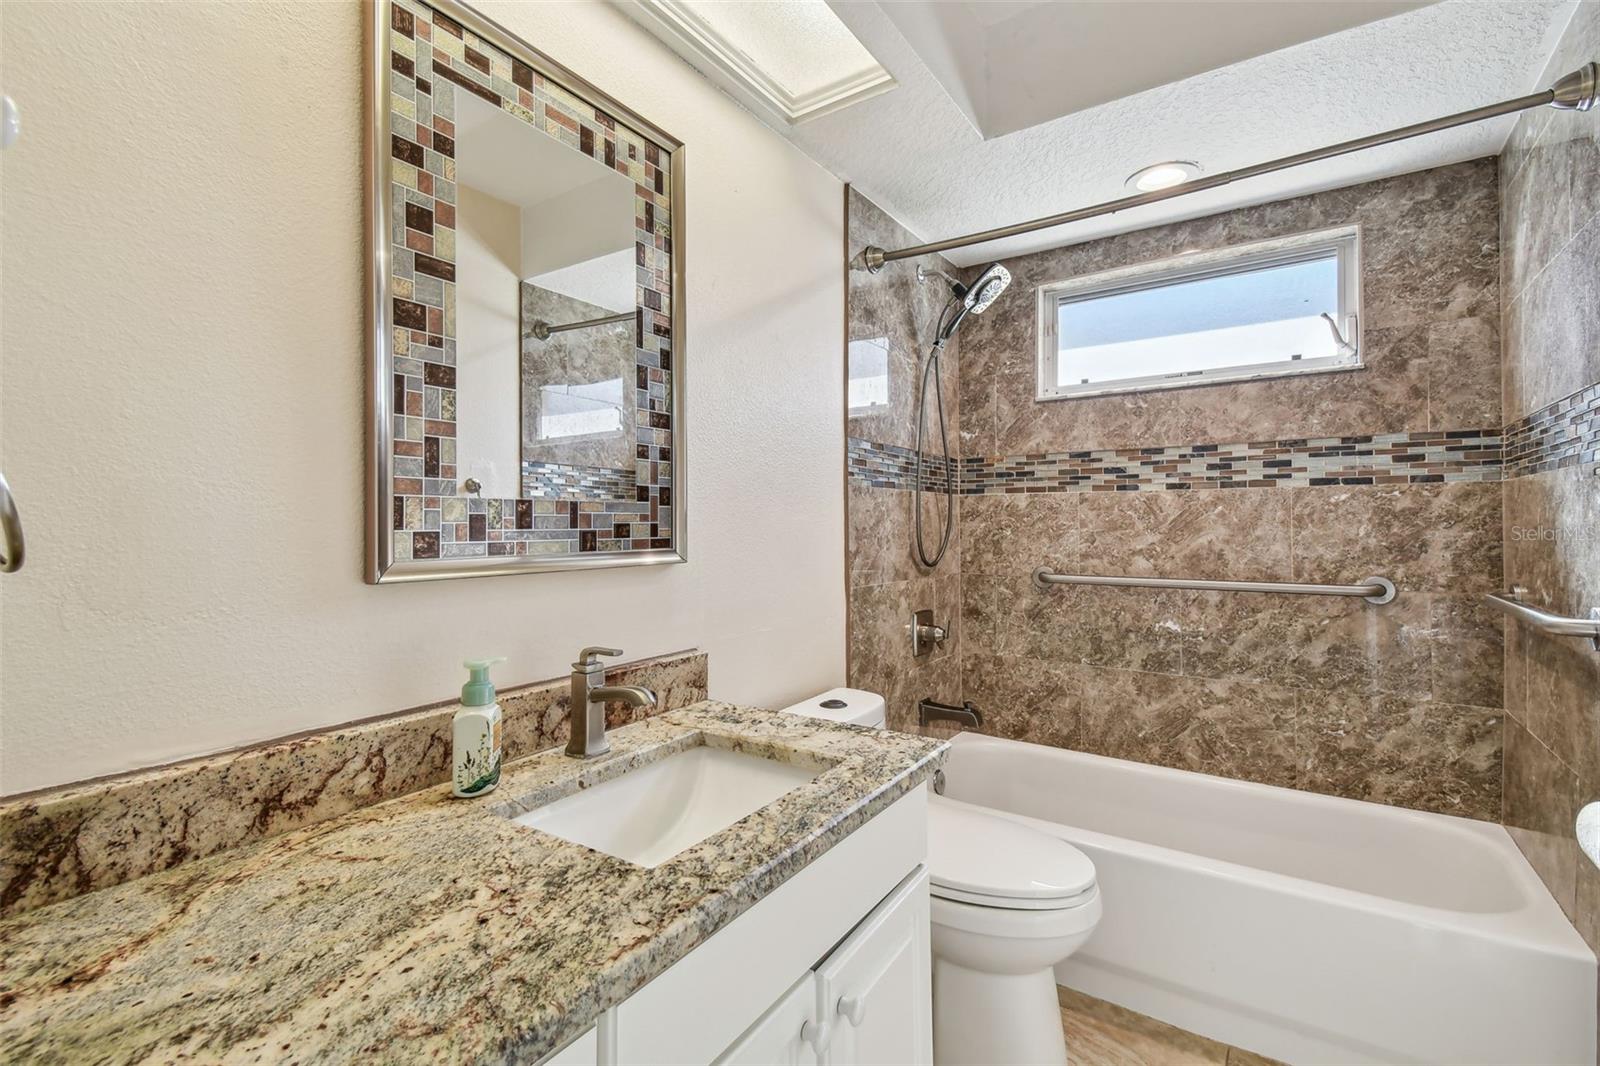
648 815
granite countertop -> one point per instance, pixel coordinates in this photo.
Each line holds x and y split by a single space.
427 928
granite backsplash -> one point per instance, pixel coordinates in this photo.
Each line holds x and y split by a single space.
63 842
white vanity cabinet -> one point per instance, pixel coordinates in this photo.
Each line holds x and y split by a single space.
832 967
786 1035
867 1004
874 991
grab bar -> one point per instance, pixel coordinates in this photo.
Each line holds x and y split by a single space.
1373 589
1558 624
10 531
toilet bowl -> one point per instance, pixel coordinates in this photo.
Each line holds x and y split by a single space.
1008 903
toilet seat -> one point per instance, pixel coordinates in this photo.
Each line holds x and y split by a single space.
1008 923
980 861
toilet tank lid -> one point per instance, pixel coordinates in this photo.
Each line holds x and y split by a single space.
851 705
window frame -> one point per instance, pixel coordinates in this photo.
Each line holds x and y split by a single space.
870 409
1343 242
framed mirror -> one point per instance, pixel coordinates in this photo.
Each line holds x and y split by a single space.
526 310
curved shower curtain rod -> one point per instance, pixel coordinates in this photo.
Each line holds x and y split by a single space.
1576 92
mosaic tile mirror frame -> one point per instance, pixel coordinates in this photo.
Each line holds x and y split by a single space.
441 76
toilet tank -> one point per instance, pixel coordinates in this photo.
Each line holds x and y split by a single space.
849 705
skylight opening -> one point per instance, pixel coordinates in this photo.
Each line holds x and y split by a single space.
796 55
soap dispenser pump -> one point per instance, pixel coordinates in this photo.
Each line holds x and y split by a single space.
475 734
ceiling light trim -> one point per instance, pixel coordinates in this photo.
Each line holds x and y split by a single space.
705 41
1186 167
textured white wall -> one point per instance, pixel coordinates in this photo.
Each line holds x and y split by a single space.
182 396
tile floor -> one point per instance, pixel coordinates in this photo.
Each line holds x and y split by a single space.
1104 1034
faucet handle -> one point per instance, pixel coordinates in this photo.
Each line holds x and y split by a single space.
591 656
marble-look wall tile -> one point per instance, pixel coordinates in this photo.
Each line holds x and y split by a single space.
62 843
1431 314
1407 752
1468 654
1464 373
1553 558
1541 802
1434 641
880 643
1012 535
1231 728
1127 629
1241 535
1036 700
1398 703
891 311
1228 683
1550 171
1318 643
891 318
1550 229
1552 347
878 534
1410 752
1424 538
1564 703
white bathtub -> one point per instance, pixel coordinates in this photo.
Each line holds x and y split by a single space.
1304 927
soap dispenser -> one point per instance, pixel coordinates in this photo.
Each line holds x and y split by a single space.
475 734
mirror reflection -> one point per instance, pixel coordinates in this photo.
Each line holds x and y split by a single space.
545 313
525 411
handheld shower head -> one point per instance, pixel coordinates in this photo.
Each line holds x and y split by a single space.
975 298
964 300
987 288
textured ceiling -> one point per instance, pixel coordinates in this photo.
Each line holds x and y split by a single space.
915 153
1013 69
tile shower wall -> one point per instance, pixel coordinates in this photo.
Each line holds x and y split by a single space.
891 318
1392 470
1550 225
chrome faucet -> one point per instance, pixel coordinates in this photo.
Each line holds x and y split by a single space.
589 696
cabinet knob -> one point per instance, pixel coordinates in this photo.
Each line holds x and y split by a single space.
854 1008
817 1035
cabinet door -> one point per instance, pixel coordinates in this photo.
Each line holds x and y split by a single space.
875 990
784 1035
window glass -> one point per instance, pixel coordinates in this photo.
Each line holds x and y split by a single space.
1240 319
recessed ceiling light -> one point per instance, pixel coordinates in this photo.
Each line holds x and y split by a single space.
1162 175
796 57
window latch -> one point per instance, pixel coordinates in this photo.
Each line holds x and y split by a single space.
1343 346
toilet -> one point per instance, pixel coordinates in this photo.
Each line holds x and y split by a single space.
1008 903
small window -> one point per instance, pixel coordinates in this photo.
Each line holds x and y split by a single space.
587 410
1264 310
868 376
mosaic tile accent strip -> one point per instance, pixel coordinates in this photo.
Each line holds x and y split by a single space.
1566 433
1383 459
889 466
562 480
466 526
64 842
431 58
